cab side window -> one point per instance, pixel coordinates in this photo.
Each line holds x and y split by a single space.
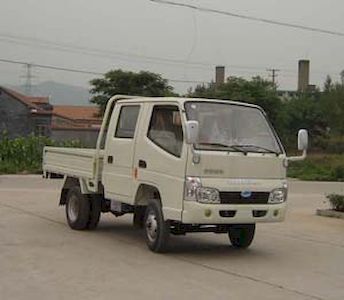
165 129
127 120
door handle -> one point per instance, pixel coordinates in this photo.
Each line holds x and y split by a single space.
142 164
110 159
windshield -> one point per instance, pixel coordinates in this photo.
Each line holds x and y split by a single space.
232 127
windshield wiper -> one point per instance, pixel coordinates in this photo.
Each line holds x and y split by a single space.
232 147
258 148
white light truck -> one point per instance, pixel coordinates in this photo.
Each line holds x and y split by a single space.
179 165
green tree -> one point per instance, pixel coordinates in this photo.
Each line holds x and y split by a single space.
332 106
256 91
342 77
303 111
328 85
128 83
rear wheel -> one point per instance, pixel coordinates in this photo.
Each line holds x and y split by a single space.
82 211
241 235
157 230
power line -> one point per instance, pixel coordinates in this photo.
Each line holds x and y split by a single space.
251 18
126 56
89 72
108 54
51 67
57 68
286 72
115 54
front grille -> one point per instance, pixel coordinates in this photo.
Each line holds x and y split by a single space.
236 198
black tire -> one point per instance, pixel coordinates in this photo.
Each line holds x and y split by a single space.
241 235
157 230
82 211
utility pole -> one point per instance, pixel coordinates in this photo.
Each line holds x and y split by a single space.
274 75
28 81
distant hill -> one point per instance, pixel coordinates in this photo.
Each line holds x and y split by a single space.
61 93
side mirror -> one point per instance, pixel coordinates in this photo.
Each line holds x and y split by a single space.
302 145
192 130
302 140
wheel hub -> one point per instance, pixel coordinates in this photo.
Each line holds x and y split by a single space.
73 208
151 226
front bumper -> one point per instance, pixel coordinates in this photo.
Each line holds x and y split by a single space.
198 213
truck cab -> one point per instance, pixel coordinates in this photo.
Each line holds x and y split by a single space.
183 165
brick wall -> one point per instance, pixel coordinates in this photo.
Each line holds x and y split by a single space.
15 117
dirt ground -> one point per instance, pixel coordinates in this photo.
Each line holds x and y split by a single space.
42 258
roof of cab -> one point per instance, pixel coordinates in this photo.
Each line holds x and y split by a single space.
183 100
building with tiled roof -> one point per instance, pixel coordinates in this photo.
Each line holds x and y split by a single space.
22 115
82 116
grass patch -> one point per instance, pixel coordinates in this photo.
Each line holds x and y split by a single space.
319 167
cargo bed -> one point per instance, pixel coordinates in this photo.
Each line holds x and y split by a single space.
75 162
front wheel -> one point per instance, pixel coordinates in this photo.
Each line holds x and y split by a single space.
241 235
157 230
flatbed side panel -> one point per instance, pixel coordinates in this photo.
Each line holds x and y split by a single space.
69 161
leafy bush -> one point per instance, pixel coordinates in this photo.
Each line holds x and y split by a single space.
24 154
334 145
319 167
336 201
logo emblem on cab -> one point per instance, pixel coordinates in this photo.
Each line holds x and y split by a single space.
246 194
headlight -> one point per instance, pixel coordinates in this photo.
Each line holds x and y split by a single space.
195 192
208 195
278 195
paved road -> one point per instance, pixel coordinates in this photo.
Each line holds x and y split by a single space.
41 258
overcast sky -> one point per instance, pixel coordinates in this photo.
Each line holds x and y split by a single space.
142 28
